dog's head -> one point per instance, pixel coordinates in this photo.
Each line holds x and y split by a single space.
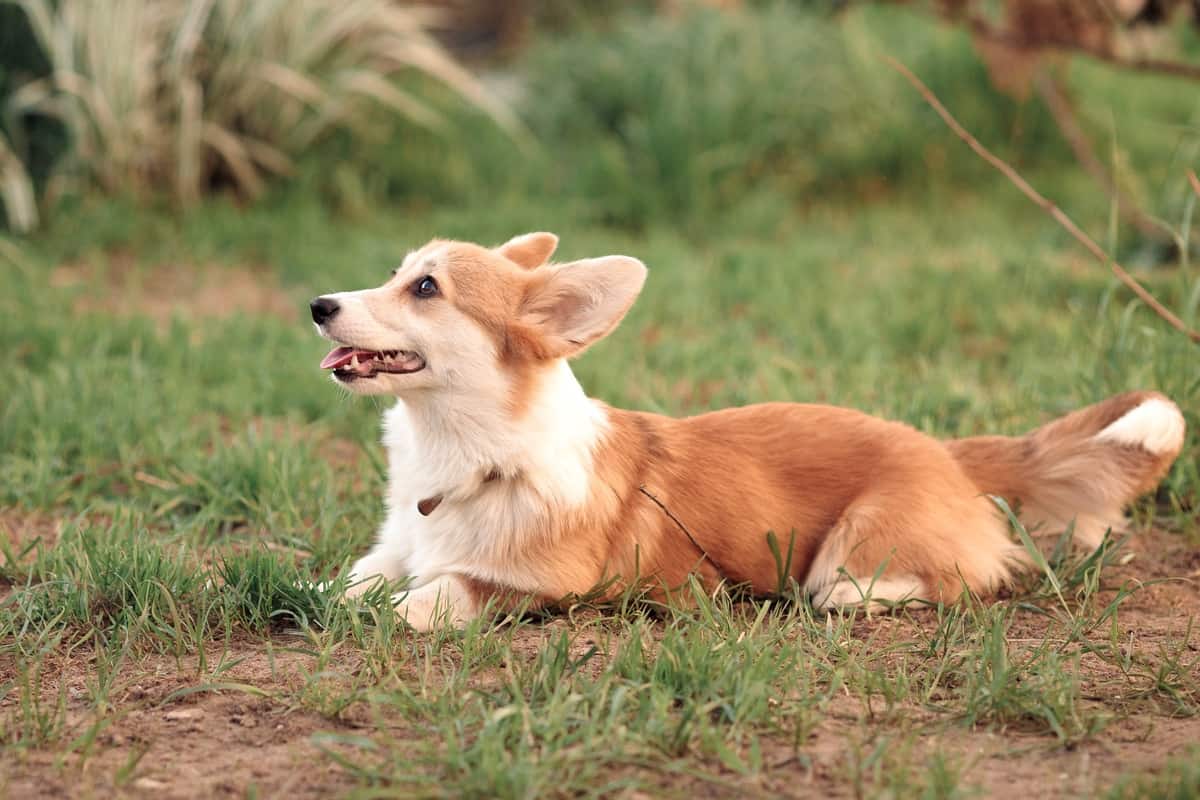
458 314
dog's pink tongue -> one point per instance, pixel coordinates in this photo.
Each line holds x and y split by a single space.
338 357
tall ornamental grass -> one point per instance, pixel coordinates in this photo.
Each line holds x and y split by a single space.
183 95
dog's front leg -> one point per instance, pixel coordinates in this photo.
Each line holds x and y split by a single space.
381 564
446 597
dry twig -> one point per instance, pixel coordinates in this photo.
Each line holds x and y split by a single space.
1053 92
1054 211
1194 181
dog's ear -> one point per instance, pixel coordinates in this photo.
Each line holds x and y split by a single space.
570 306
529 250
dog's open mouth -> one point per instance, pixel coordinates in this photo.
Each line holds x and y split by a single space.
351 363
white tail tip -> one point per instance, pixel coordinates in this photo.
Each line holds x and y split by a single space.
1156 426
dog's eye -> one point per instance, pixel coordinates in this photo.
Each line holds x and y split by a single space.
426 287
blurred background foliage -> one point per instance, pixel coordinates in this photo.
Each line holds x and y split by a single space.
620 112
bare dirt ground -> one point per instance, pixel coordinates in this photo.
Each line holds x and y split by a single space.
21 530
22 527
116 286
168 743
205 744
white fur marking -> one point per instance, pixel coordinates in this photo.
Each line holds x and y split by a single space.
1156 426
445 444
846 592
366 572
444 598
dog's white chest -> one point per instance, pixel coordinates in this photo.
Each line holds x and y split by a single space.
500 484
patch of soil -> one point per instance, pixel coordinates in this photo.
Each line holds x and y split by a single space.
997 762
20 527
21 532
222 742
168 743
119 287
1141 734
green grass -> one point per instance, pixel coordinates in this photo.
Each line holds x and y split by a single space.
173 486
191 462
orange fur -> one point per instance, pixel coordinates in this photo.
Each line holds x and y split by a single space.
1061 472
872 510
843 488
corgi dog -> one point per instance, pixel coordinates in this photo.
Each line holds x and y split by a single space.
507 481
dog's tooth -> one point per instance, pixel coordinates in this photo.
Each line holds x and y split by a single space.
354 361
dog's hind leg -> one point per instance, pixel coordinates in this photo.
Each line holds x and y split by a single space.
891 548
872 593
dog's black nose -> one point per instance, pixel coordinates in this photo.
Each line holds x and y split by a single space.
323 309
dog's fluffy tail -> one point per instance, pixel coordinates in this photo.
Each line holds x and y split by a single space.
1086 466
